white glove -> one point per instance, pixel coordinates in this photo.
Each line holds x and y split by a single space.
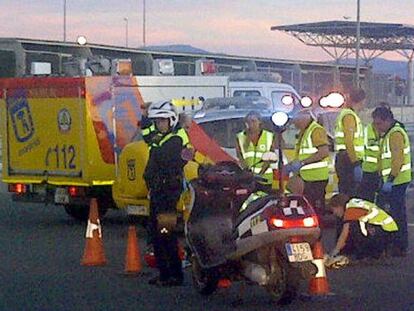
336 262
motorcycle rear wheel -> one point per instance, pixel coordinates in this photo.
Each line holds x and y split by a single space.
283 283
204 281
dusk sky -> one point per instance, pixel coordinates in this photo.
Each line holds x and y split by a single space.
233 27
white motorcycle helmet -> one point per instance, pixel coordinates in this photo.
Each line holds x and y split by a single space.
164 110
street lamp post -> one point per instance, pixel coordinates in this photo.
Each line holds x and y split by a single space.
126 31
64 20
358 42
143 22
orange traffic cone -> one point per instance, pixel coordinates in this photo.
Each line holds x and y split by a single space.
133 263
93 254
318 285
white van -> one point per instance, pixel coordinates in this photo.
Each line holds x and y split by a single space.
273 91
157 88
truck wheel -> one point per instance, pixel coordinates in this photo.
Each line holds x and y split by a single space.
204 281
81 212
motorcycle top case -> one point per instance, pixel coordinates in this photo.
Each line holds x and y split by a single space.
210 228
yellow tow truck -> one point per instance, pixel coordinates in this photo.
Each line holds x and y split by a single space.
62 136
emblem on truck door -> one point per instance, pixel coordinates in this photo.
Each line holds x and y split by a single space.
131 169
21 118
64 120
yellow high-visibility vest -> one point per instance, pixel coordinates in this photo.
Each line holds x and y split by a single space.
358 135
304 149
375 216
372 149
404 176
252 154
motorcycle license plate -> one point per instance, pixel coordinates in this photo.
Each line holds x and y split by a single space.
298 252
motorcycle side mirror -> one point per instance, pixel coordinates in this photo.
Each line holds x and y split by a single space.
188 154
269 156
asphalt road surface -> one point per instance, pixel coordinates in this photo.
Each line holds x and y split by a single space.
41 248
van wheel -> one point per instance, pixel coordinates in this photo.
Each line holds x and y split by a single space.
81 212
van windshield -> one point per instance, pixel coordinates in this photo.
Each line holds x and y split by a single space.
246 93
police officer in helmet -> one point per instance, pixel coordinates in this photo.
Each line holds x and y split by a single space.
164 178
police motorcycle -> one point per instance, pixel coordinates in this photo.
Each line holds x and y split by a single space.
269 243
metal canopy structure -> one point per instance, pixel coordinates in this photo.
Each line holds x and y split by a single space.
340 36
339 40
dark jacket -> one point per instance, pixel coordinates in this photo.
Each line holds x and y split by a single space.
164 170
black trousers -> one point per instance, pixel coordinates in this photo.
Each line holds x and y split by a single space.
394 203
360 246
369 186
314 192
345 172
165 243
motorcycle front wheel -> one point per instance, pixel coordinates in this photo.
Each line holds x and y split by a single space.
204 281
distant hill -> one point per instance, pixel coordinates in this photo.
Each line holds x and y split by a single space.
177 48
385 66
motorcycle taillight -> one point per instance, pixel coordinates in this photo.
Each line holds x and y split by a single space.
284 223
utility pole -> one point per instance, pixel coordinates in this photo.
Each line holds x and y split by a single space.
126 31
64 20
358 42
143 22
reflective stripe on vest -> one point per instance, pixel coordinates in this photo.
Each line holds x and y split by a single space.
304 149
179 132
375 216
148 130
253 154
252 197
372 149
358 135
404 176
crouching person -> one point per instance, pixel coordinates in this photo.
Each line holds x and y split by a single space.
366 230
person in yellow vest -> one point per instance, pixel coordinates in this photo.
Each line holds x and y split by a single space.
366 229
252 143
395 170
370 183
311 160
370 177
349 143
